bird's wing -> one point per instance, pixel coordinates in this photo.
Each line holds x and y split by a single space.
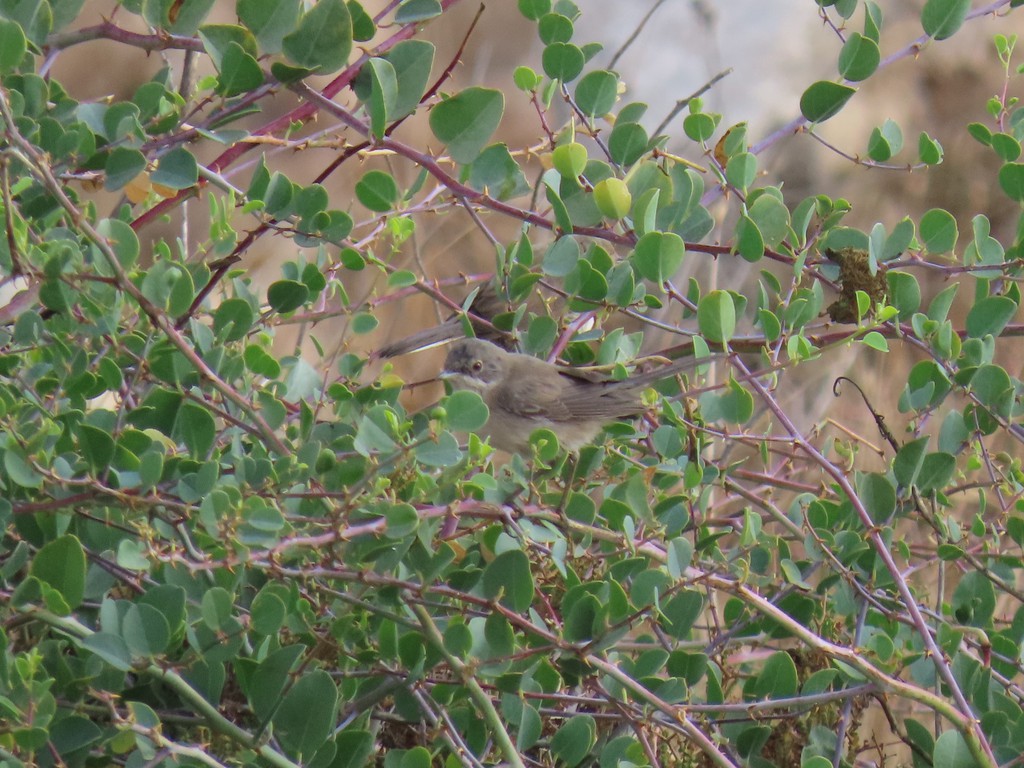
597 399
567 397
538 397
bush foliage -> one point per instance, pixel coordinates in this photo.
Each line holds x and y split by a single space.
228 538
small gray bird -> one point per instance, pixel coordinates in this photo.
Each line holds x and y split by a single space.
524 393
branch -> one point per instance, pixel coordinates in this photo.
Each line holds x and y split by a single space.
161 41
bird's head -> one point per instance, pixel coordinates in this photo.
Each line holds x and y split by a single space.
474 365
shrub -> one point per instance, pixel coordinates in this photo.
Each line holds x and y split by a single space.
230 539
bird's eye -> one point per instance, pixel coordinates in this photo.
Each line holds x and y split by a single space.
477 366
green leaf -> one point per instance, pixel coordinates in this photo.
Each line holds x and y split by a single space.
859 57
217 39
993 388
301 727
990 315
168 286
374 433
466 121
534 9
233 319
179 17
885 141
402 520
287 295
240 72
508 579
111 648
735 405
323 38
562 61
1011 179
197 429
131 555
363 27
612 198
97 446
907 463
699 126
680 612
526 79
824 99
645 212
378 191
596 92
778 679
878 495
498 174
680 555
749 241
658 255
574 740
177 170
145 631
716 316
61 564
929 150
411 60
441 451
383 94
938 231
741 170
278 195
627 143
942 18
874 339
951 751
13 45
466 411
354 749
364 322
936 471
122 239
122 166
269 20
35 19
771 217
561 257
415 11
1006 146
554 28
981 133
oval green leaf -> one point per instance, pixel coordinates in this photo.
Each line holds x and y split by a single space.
596 92
323 39
716 316
466 121
287 295
508 579
942 18
378 191
61 564
824 99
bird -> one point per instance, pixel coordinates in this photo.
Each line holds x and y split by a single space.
485 306
524 393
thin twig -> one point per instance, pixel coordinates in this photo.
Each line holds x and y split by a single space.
635 34
684 103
